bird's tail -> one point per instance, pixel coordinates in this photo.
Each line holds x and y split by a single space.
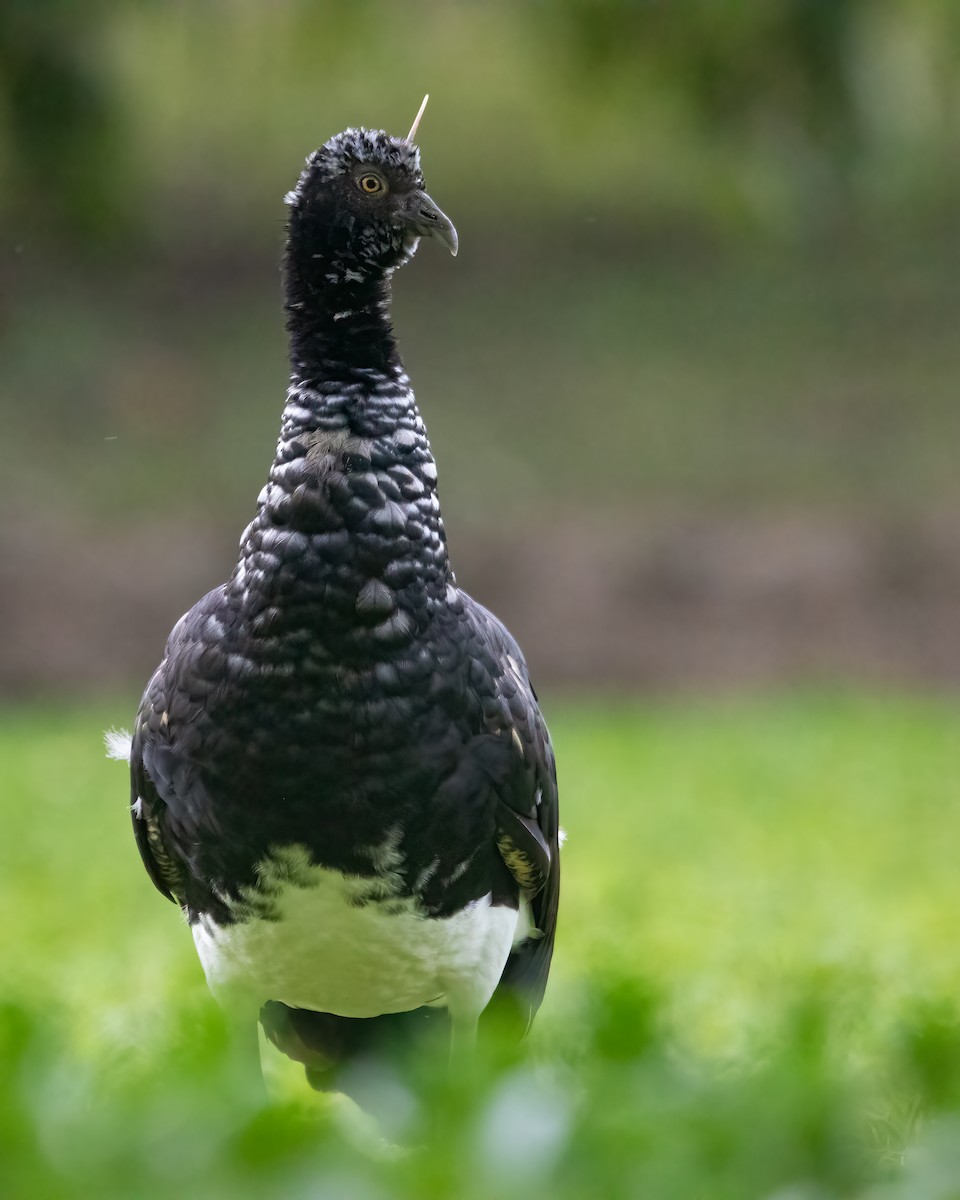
326 1044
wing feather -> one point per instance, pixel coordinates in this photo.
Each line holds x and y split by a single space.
528 828
146 811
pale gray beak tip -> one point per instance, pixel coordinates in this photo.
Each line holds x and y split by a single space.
430 221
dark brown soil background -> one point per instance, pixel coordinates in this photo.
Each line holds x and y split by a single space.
667 602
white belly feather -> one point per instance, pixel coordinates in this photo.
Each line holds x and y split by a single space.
326 949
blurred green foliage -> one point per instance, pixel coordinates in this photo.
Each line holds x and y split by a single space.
585 386
627 321
63 141
754 988
725 116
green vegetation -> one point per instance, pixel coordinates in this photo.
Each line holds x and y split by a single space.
708 251
600 386
754 992
779 120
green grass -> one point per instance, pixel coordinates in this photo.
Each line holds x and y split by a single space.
753 996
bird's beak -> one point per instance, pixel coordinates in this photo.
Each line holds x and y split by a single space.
426 220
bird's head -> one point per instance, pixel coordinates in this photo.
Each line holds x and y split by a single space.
360 199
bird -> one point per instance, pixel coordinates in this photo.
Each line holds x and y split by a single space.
339 770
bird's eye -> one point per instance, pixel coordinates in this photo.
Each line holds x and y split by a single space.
371 184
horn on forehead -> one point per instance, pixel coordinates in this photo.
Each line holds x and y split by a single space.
416 120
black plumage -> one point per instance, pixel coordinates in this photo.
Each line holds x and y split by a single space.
339 711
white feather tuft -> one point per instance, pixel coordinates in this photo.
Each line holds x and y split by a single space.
118 743
561 836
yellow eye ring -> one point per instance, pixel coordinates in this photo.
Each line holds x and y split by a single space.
370 184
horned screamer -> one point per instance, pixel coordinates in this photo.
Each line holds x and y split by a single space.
339 770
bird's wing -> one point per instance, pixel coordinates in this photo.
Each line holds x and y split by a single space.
530 846
148 812
527 816
168 800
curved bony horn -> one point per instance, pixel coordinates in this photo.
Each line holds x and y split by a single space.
416 119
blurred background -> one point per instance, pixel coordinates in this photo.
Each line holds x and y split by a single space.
691 383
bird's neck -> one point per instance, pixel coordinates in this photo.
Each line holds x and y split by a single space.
338 314
347 540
